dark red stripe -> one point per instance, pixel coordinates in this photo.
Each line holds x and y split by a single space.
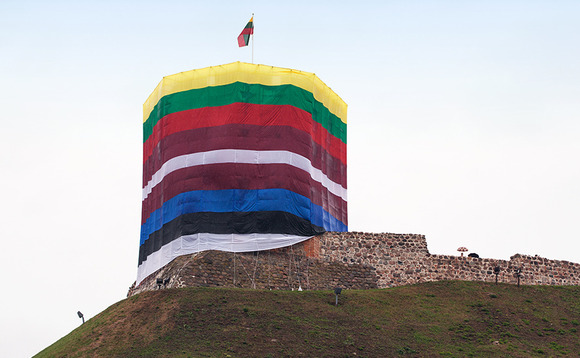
243 136
243 176
245 113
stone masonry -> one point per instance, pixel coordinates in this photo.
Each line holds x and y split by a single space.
355 260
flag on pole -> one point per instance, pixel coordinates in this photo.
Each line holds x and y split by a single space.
244 38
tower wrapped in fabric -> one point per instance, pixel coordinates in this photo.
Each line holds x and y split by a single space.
238 158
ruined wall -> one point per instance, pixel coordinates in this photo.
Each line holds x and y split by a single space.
291 268
353 260
401 259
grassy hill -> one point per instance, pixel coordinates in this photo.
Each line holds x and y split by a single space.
449 318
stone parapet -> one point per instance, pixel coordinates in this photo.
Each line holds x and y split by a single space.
354 260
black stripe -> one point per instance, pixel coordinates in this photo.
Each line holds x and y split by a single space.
263 222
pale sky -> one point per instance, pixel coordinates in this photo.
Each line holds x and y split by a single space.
463 125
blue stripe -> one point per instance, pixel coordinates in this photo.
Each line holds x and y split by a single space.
238 200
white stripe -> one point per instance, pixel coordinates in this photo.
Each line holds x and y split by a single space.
246 157
190 244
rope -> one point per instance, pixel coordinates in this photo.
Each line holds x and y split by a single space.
234 269
296 266
256 267
269 268
307 273
246 271
289 268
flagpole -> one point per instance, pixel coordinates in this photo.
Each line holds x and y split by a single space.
253 39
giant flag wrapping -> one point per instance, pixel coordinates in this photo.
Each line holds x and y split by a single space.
238 158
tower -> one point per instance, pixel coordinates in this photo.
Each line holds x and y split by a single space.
240 157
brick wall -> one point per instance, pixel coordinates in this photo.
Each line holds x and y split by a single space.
354 260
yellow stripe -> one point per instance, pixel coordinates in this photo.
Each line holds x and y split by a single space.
246 73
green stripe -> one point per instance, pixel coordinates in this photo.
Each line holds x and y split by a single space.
239 92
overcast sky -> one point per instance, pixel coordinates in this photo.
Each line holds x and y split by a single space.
463 125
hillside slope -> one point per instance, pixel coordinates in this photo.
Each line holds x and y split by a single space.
448 318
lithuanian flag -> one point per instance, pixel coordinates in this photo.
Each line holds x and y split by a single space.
244 38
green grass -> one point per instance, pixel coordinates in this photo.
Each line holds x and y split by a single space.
438 319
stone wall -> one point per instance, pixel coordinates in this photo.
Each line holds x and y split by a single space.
353 260
297 267
397 258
